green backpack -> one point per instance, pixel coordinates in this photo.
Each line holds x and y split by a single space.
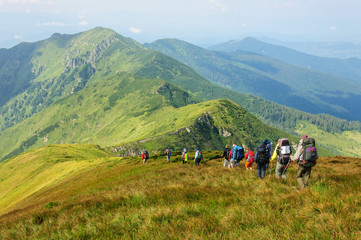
199 156
310 155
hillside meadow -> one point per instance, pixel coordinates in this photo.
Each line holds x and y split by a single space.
94 195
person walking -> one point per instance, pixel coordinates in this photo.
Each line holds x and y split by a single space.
168 153
282 153
145 156
227 160
185 156
262 158
198 157
306 156
249 156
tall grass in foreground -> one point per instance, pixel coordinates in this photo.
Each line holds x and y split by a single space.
175 201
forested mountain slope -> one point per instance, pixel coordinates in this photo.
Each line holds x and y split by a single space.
277 81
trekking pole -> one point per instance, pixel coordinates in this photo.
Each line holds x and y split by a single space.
284 171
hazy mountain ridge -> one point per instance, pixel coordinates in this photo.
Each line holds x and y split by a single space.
274 80
344 68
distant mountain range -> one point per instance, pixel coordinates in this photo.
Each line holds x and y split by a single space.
278 81
342 50
344 68
100 87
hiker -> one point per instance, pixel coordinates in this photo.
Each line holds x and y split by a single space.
227 159
198 157
168 153
145 156
283 154
306 156
249 159
185 156
262 157
237 155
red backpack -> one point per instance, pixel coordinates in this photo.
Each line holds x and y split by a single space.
250 156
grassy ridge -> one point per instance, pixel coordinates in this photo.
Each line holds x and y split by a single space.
28 173
122 198
124 109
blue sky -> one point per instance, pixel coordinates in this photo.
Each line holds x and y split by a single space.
202 22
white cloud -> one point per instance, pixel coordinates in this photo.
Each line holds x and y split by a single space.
215 4
333 28
83 23
135 30
59 24
17 37
28 11
288 4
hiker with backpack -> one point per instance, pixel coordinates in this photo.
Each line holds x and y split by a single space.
145 156
306 155
249 156
282 153
237 155
185 156
198 157
168 153
227 160
262 157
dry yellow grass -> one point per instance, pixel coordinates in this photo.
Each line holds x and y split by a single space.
122 198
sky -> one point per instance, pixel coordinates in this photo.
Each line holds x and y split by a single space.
202 22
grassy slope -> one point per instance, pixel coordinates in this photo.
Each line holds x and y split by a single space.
122 198
33 171
124 109
120 109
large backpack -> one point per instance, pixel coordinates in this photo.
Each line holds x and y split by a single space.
262 153
199 156
238 153
310 155
250 157
284 151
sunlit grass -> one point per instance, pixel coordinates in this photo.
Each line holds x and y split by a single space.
123 198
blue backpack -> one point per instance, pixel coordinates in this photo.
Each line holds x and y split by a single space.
238 153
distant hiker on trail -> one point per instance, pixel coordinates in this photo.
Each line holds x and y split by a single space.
306 155
227 160
249 159
283 154
145 156
185 156
262 157
198 157
168 153
237 155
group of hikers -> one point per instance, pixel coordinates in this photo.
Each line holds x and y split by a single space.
305 155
